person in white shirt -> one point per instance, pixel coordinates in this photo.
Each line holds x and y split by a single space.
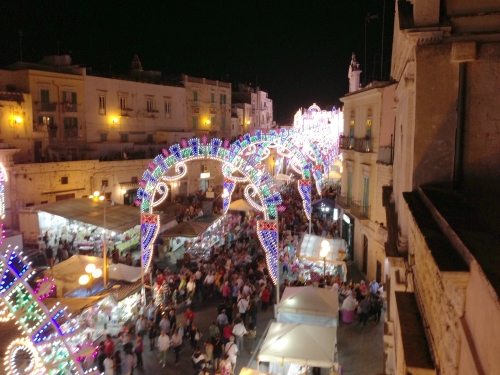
243 307
163 346
109 365
239 331
231 350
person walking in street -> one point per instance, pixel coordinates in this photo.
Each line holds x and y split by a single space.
243 307
139 348
231 350
365 306
177 344
222 320
218 350
109 365
163 347
265 297
117 358
251 335
239 331
128 362
152 334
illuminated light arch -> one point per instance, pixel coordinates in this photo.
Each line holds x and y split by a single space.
47 343
151 189
3 179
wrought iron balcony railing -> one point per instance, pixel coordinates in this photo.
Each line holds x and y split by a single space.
360 211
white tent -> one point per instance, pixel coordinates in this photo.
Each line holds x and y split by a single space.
298 344
240 205
124 272
309 305
249 371
282 177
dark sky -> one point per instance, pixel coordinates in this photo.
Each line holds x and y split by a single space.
299 51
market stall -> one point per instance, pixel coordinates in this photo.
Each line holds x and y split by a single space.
240 205
301 345
249 371
196 236
309 305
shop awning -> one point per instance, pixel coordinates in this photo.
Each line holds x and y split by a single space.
121 290
309 300
192 228
74 306
299 344
249 371
124 272
119 217
240 205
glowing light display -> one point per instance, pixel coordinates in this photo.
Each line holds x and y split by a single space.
267 231
305 193
3 179
47 348
150 225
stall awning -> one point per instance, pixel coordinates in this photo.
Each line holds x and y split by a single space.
75 306
309 300
240 205
119 217
249 371
192 228
121 290
124 272
299 344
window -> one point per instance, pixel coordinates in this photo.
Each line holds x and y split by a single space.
223 124
149 139
104 137
46 120
104 183
232 126
133 180
195 96
149 105
44 96
368 145
64 180
124 137
195 122
365 254
212 121
123 103
102 105
167 109
69 97
70 127
366 195
351 133
212 97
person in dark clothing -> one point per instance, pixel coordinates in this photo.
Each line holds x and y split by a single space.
101 357
365 310
376 307
218 350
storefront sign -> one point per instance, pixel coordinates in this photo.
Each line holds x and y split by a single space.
205 175
346 219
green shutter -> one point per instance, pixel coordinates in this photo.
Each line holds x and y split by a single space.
195 122
223 126
212 97
195 96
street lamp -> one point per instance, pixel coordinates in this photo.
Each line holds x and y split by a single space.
325 249
97 196
92 273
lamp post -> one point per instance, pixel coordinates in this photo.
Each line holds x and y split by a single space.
97 196
92 273
325 249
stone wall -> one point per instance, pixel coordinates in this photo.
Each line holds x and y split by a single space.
442 301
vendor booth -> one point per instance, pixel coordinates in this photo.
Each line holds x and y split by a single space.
291 348
240 205
309 305
196 236
310 264
249 371
66 274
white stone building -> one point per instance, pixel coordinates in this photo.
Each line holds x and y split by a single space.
257 105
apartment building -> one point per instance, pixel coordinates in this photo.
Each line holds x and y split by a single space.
259 105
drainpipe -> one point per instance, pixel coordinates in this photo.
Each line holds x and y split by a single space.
458 168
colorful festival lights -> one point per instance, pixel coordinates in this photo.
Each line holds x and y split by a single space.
150 225
47 348
267 231
3 179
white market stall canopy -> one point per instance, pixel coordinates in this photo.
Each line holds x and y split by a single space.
240 205
124 272
249 371
67 273
309 305
299 344
119 217
310 246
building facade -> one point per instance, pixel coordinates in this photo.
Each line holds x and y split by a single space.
208 108
258 107
442 208
366 146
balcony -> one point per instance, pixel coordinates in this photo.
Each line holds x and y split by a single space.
214 105
53 131
385 155
357 144
69 107
47 107
360 211
39 128
196 104
71 132
343 201
224 106
344 142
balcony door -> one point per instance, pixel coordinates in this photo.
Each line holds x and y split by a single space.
366 195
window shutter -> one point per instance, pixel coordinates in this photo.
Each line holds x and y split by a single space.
73 97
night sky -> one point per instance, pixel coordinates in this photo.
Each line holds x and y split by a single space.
298 51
